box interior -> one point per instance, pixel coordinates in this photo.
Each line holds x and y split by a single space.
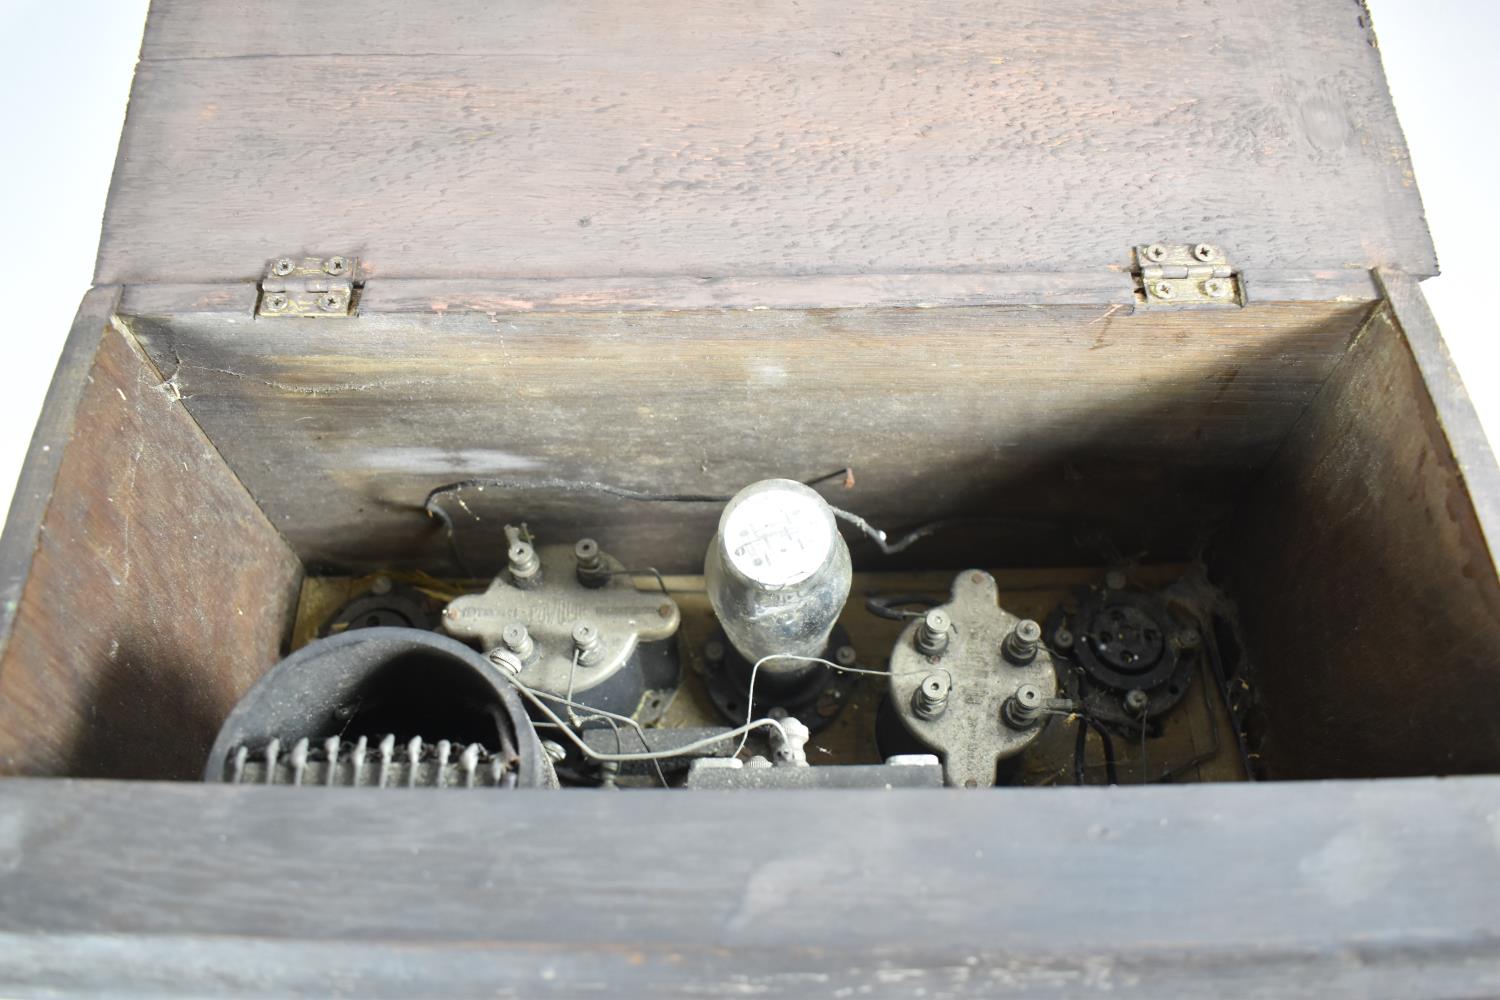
1284 451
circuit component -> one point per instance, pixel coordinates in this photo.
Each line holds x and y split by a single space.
969 681
569 619
1135 657
778 574
386 707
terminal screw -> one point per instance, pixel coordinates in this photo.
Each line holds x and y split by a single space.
932 633
519 641
525 567
1024 708
1021 645
592 572
586 642
930 699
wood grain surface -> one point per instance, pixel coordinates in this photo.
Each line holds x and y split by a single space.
157 592
1365 580
1299 890
475 139
1064 431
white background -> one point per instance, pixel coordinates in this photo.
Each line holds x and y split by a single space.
66 75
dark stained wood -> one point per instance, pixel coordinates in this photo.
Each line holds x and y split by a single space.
515 139
1069 429
157 591
1293 890
54 428
1366 583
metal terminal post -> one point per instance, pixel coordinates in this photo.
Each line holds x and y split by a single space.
519 641
525 567
1024 708
930 699
586 642
593 572
932 633
1023 641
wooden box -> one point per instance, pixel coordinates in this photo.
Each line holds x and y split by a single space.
678 248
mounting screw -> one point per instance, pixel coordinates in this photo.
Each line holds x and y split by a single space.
381 586
1188 638
1215 288
1115 579
329 302
930 699
844 656
283 266
336 266
525 567
556 752
591 569
586 642
1062 639
932 634
519 641
1156 253
275 302
1136 701
1024 708
1161 289
1204 252
1021 645
713 651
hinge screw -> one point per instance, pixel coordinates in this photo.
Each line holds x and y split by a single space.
1161 289
1156 253
1204 252
330 302
1215 288
275 302
336 265
283 266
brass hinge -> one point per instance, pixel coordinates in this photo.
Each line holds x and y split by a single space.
308 286
1178 274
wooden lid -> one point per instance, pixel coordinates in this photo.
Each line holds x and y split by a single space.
596 139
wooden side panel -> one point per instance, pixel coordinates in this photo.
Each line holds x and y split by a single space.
157 591
1060 432
1366 584
1328 890
54 428
472 138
